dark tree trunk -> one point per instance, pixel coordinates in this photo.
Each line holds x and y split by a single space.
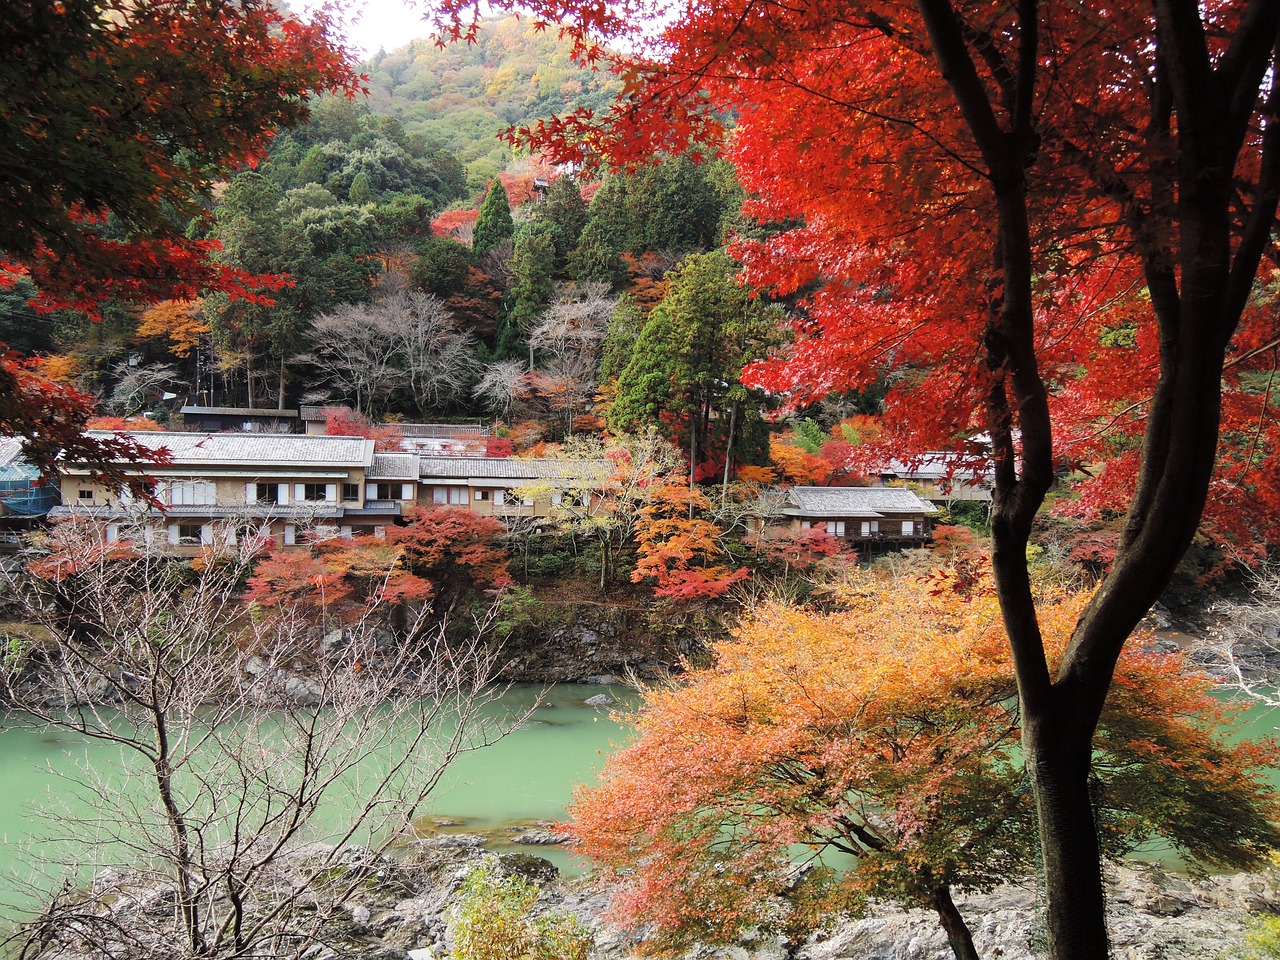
958 935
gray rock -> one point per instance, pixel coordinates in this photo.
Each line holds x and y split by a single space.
600 700
452 841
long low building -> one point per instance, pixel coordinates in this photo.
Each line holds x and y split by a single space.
237 484
866 515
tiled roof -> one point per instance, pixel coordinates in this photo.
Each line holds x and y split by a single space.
938 466
393 466
254 449
502 468
868 502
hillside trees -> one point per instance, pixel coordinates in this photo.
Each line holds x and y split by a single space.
880 743
979 193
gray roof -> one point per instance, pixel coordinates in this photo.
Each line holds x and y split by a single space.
511 468
939 465
854 502
393 466
266 412
253 449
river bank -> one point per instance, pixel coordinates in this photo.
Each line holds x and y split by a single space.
401 910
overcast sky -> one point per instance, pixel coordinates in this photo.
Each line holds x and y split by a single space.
370 24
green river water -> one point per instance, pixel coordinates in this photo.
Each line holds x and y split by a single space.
530 775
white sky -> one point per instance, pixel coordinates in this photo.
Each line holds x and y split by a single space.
370 24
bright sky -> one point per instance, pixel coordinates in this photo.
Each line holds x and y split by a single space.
370 24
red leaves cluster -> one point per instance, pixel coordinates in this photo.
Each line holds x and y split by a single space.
345 422
441 555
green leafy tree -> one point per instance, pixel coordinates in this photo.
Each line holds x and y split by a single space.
533 274
441 266
686 366
566 212
494 223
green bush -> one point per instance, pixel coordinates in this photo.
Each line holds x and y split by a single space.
491 921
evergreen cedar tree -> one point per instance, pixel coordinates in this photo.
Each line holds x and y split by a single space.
494 223
881 740
1051 216
117 117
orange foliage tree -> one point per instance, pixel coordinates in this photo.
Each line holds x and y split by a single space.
877 747
1048 218
444 555
797 466
679 552
179 322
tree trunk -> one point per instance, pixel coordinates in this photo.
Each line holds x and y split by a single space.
958 935
1070 857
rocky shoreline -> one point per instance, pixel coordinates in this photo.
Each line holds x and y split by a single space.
401 910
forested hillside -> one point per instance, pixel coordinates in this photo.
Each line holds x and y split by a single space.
464 95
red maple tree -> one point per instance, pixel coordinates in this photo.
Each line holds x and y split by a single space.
993 199
117 119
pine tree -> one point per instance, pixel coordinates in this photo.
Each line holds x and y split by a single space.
494 223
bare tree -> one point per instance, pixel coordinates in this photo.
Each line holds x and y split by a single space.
502 386
1245 645
568 339
240 724
357 347
438 358
136 383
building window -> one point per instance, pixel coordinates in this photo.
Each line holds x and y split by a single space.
908 528
397 491
313 492
86 495
870 527
482 495
190 534
835 528
268 493
191 493
451 495
350 492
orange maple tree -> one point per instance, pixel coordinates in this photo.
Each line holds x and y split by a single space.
990 200
824 759
678 551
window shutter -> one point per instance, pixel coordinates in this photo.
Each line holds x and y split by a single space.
330 493
206 533
290 534
299 492
439 495
250 493
173 534
406 491
499 497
